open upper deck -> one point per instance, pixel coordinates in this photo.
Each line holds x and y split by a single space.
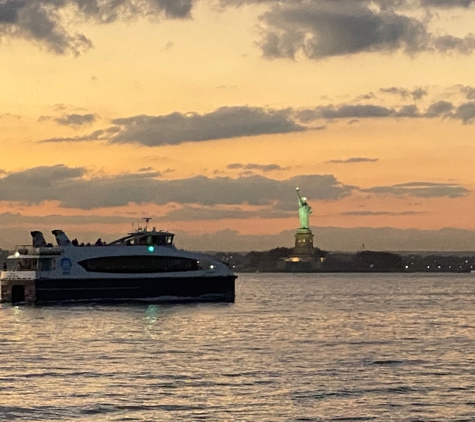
142 237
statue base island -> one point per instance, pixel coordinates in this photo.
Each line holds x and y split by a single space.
303 257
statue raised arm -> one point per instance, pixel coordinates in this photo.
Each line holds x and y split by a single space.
304 210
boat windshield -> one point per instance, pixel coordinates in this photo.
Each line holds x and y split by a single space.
151 239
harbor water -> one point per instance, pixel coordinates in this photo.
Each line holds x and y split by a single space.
293 347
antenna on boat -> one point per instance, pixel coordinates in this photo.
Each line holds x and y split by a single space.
147 219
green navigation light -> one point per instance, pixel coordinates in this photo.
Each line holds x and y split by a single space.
151 248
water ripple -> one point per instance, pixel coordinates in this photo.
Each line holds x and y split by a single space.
336 347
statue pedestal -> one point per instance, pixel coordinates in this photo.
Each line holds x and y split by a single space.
303 255
303 244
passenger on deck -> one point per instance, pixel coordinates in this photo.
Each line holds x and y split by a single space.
5 268
98 242
75 242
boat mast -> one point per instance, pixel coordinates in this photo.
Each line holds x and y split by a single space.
147 219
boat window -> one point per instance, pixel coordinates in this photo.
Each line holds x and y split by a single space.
46 264
23 264
163 240
139 264
151 240
160 240
167 240
141 241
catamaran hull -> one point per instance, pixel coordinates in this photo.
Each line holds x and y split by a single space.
163 289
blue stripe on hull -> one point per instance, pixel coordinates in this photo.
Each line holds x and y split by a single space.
215 289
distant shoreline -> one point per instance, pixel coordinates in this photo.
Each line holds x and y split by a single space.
282 260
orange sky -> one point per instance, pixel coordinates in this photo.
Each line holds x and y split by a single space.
222 109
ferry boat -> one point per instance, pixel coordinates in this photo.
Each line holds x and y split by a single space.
144 265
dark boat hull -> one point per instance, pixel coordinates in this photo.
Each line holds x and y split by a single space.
170 289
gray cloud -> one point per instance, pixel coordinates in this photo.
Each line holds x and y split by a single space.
419 93
421 190
338 239
235 122
333 28
43 21
67 186
465 112
38 184
381 4
185 213
40 21
212 214
43 175
223 123
447 3
448 43
410 110
318 28
353 160
235 166
75 119
8 219
344 111
468 91
440 108
10 116
9 11
379 213
203 198
252 166
97 135
395 91
358 111
368 96
415 94
327 238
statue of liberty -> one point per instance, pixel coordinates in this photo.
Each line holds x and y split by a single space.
304 211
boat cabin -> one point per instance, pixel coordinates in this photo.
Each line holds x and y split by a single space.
30 263
148 238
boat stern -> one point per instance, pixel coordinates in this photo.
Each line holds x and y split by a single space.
16 287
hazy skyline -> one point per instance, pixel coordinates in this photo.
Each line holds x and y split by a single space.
206 115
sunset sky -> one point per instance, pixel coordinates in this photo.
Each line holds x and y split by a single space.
207 114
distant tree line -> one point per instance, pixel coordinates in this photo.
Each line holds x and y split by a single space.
363 261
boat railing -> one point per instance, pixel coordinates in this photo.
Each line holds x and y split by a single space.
32 250
12 274
25 250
